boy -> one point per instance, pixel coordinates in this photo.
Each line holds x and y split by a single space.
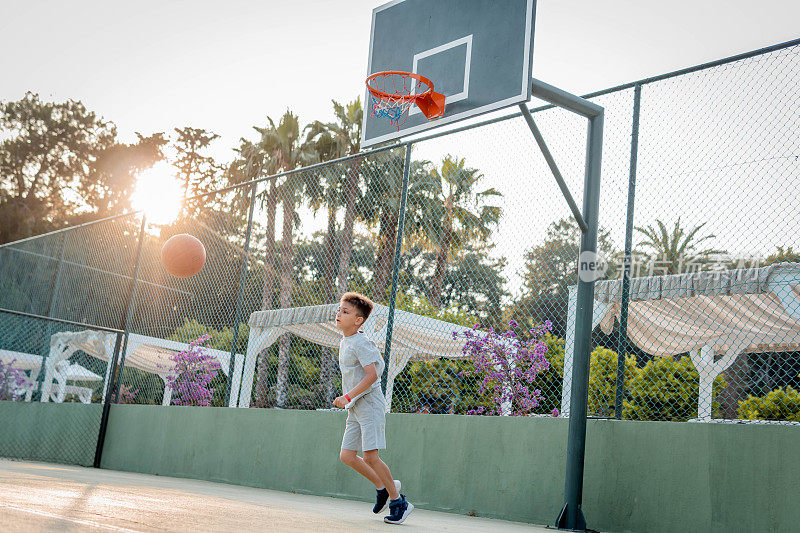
362 364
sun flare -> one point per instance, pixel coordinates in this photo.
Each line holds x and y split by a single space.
158 194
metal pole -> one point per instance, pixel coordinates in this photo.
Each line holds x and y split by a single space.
110 387
129 305
568 101
396 268
240 294
571 516
56 275
622 333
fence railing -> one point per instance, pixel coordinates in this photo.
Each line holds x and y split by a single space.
465 244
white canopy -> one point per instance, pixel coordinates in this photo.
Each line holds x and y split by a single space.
149 354
413 337
714 316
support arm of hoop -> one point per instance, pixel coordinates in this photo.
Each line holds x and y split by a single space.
553 167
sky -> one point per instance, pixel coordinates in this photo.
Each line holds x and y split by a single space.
153 66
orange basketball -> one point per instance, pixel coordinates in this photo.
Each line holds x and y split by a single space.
183 255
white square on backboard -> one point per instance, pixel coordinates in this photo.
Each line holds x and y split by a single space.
437 50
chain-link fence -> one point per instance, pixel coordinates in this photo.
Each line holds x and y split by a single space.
48 360
467 247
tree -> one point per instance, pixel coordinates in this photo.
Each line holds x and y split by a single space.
343 138
458 215
550 269
671 251
336 186
46 152
112 176
473 283
282 143
255 162
782 255
324 188
380 207
199 173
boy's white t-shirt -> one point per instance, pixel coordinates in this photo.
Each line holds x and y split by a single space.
356 352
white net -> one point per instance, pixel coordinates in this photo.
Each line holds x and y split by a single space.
394 102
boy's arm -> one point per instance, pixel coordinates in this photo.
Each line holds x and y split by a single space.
362 386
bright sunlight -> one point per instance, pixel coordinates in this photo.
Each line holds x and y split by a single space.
158 194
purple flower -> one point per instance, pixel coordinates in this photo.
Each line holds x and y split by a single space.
193 371
507 367
12 382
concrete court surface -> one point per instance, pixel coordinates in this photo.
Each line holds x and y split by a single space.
45 497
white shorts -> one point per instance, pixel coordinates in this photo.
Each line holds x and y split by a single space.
365 428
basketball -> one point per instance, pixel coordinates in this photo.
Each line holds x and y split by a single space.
183 255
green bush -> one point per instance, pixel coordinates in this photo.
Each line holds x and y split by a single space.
602 378
779 404
439 385
665 389
220 339
603 381
549 381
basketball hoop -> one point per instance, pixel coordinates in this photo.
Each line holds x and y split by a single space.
393 92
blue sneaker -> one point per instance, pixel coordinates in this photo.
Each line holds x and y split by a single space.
399 510
383 498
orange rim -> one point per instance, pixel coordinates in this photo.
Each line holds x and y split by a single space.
377 93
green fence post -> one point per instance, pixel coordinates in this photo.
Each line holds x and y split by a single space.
129 305
622 333
110 387
396 268
240 295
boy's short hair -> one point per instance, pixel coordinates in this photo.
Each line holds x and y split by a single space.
362 304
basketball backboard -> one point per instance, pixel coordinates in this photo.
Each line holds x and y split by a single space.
477 53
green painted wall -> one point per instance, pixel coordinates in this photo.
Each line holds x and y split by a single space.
640 476
52 432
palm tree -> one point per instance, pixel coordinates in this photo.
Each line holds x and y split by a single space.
331 141
258 162
458 215
670 251
286 152
323 188
381 206
345 134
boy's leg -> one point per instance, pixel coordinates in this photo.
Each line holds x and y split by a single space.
372 460
351 459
